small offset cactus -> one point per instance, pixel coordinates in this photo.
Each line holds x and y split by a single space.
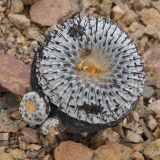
91 72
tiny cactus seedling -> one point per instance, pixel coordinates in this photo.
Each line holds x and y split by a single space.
91 72
34 109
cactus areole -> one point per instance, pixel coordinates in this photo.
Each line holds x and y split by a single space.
91 72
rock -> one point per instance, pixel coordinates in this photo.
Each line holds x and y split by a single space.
7 125
150 17
33 147
4 136
103 137
152 150
152 65
32 154
135 116
17 6
33 33
19 20
135 127
5 156
138 156
17 154
130 17
117 13
154 107
69 150
29 135
152 123
133 137
113 151
47 157
47 12
148 91
151 30
15 76
156 4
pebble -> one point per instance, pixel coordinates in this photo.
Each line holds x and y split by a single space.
7 125
29 135
113 151
129 17
154 107
148 91
152 123
133 137
103 137
156 4
33 147
150 17
152 65
152 150
47 157
33 33
138 156
19 20
15 75
69 150
151 30
5 156
17 6
17 154
4 136
46 13
118 12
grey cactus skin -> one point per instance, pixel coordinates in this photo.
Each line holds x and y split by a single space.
82 105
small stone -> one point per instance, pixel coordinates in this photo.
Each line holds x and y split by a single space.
16 115
17 154
151 30
5 156
103 137
33 33
7 125
69 150
47 157
15 76
152 150
152 65
17 6
47 12
138 156
156 4
113 151
32 154
133 137
148 91
29 135
33 147
154 107
152 123
150 17
135 116
117 13
130 17
135 127
19 20
4 136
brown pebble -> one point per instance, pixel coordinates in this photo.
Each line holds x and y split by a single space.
29 135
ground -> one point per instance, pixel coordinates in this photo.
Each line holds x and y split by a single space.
23 24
